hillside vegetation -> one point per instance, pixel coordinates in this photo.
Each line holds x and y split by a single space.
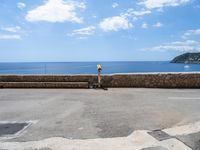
187 58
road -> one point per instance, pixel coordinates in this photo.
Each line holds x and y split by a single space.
84 114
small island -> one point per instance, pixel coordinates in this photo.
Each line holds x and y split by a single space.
187 58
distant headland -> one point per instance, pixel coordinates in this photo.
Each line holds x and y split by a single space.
187 58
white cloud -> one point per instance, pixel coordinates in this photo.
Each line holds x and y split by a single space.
114 5
144 26
10 37
115 23
132 13
123 21
151 4
182 46
21 5
84 32
141 13
191 33
94 16
56 11
11 29
158 25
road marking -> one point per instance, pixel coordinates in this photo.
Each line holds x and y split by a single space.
184 98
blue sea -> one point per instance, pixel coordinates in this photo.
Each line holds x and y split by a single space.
90 67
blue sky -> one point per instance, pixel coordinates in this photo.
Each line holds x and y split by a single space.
97 30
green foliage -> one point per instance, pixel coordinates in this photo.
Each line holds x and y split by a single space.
187 58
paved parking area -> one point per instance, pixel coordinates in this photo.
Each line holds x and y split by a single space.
98 114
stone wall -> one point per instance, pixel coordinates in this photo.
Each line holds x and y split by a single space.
141 80
155 80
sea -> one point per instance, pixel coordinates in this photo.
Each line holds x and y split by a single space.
90 67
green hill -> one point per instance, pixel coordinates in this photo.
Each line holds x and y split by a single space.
187 58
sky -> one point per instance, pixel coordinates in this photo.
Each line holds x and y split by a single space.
98 30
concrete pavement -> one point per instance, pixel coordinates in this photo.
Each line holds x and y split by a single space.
138 140
97 114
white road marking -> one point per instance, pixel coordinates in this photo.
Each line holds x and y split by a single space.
184 98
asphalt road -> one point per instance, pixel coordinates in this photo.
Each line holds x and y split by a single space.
90 114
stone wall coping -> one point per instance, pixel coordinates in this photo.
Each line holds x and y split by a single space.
144 73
